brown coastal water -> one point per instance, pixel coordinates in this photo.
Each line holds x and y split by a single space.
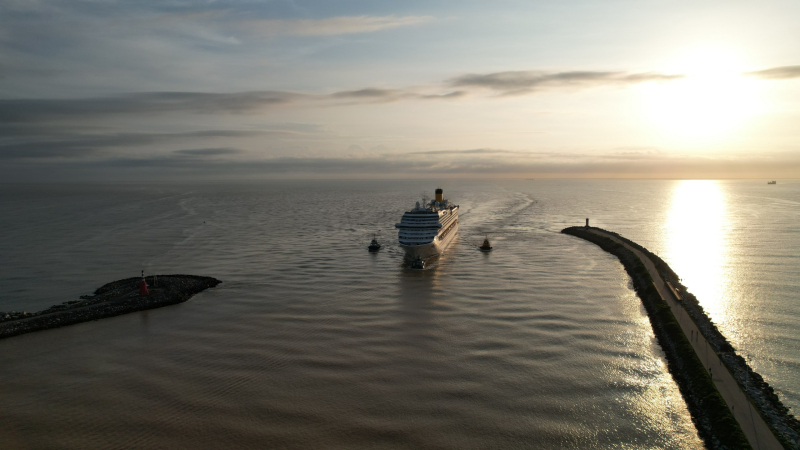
311 341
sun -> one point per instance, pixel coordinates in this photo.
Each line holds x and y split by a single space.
709 103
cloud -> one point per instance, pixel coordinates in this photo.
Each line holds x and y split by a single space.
24 110
331 25
391 95
777 73
372 94
445 96
206 152
524 82
475 151
59 146
252 102
366 93
15 114
48 150
72 147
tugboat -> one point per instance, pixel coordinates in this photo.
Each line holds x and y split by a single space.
374 246
418 263
486 247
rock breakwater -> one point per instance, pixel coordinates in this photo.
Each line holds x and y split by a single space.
784 425
714 422
113 299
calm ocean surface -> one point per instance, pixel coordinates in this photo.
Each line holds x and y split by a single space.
312 342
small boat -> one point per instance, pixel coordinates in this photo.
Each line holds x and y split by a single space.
772 182
486 247
374 246
418 263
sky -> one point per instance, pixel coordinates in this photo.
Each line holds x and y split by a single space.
228 90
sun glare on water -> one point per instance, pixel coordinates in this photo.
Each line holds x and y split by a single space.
697 242
710 102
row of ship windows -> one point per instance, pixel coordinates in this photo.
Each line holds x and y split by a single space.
448 229
427 216
444 222
417 236
431 220
421 235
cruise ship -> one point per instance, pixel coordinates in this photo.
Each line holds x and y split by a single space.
429 228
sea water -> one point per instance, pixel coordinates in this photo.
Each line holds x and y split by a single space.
312 342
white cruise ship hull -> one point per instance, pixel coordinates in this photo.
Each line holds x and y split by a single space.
431 249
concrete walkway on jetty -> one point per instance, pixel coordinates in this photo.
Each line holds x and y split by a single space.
755 429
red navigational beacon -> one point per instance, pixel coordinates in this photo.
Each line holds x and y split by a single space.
143 286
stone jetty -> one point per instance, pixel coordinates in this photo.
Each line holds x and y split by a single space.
112 299
727 399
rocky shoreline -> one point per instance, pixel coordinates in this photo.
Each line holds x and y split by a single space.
715 423
762 395
774 412
113 299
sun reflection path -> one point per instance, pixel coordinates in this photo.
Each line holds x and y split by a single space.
697 243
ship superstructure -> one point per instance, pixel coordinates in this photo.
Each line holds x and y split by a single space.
429 228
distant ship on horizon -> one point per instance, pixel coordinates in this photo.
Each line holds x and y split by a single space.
772 182
429 228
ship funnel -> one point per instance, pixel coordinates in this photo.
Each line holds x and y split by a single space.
439 197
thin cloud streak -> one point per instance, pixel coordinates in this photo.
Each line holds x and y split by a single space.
367 93
26 110
776 73
331 25
208 152
376 95
445 96
58 145
508 83
371 95
474 151
525 82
